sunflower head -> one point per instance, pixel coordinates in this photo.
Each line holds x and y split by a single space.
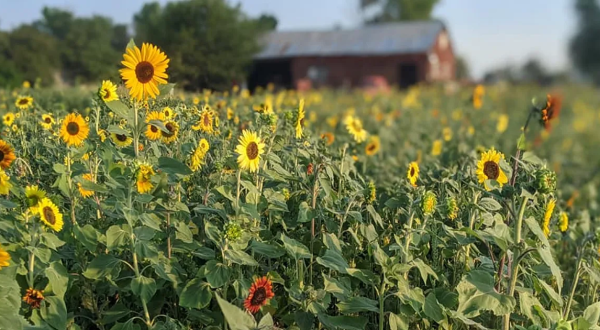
34 196
144 176
413 173
371 192
548 216
50 215
121 140
436 148
108 91
233 231
551 110
373 146
168 113
197 158
74 129
261 291
47 121
428 203
564 222
4 258
300 119
152 131
144 70
8 119
171 134
205 122
451 208
328 137
249 149
7 155
5 184
84 192
24 102
545 181
488 168
33 297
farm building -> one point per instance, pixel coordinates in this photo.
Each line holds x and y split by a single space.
402 53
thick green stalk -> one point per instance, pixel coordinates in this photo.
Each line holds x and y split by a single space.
471 224
574 285
136 133
381 305
136 269
516 258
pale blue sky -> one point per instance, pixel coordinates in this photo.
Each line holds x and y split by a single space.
488 33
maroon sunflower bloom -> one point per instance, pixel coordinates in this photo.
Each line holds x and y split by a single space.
551 110
33 297
260 293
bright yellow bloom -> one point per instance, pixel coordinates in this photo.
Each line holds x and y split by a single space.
266 107
108 91
26 84
153 132
144 71
502 123
355 128
50 215
168 113
478 96
436 148
413 173
8 118
447 133
564 222
373 146
172 131
230 114
300 119
5 184
144 176
249 150
548 216
24 102
121 140
197 158
47 121
205 123
74 130
4 258
34 196
7 155
84 192
488 168
14 128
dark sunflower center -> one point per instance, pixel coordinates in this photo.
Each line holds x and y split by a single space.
302 122
371 147
23 101
107 93
1 155
144 72
206 120
153 128
49 215
259 297
121 137
491 170
412 171
171 130
73 128
48 120
252 150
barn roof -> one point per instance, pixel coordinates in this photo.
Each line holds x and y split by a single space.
377 39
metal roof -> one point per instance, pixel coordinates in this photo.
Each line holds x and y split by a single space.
377 39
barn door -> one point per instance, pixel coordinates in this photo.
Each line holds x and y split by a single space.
407 75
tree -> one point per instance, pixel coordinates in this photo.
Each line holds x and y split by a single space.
462 68
534 71
398 10
209 42
267 22
584 47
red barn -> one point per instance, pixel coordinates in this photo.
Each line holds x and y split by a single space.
403 53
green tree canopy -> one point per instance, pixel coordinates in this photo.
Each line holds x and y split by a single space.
585 49
209 42
399 10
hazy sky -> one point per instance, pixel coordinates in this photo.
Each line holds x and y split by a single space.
489 33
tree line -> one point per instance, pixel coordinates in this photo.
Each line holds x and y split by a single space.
210 44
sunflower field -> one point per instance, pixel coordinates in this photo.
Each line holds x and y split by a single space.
137 206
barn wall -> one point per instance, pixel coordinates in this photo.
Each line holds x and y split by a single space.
349 71
445 68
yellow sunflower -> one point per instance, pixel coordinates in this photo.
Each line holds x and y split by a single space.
170 136
7 155
413 173
564 222
4 258
50 215
84 192
5 184
144 176
108 91
548 216
230 114
488 168
24 102
14 128
8 118
436 148
249 150
121 140
328 137
197 158
153 132
74 129
205 123
300 119
34 196
355 128
168 113
372 148
266 107
144 70
447 133
47 121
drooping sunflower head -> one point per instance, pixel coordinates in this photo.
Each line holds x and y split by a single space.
413 173
74 129
24 102
8 119
551 110
50 215
7 155
171 134
355 128
249 149
121 140
47 121
33 297
34 196
197 158
328 137
261 291
548 216
373 146
152 131
4 258
488 168
300 119
144 176
451 208
108 91
144 70
84 192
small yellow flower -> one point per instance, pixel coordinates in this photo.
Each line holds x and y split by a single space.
548 216
108 91
5 184
26 84
47 121
447 133
564 222
436 148
24 102
249 149
502 123
413 173
84 192
373 146
8 119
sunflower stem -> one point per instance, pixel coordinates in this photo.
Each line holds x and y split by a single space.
237 195
32 256
136 136
136 269
71 192
471 223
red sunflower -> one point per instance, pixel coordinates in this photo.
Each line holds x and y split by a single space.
260 293
551 110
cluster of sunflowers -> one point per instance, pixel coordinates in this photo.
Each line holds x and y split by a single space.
281 209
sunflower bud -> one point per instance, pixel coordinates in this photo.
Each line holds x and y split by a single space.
428 203
233 231
371 192
545 181
451 208
286 194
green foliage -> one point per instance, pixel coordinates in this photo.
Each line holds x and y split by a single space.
584 50
400 10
